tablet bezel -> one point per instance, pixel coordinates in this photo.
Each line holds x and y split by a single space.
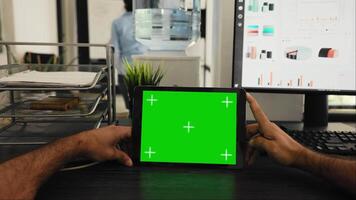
137 124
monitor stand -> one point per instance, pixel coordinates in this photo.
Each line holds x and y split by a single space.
316 116
316 110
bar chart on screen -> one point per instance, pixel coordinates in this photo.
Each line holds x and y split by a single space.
271 80
303 45
254 53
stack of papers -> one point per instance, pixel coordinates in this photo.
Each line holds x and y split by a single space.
32 78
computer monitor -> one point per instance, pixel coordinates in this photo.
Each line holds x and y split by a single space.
296 46
299 46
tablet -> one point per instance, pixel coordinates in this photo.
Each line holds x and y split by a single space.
189 126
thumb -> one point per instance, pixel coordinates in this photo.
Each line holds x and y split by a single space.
260 142
122 157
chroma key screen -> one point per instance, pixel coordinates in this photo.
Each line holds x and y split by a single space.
189 127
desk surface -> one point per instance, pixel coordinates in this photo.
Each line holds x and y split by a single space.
265 180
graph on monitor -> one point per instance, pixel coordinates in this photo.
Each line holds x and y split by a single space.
295 44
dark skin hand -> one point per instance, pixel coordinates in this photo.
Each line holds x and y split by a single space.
32 169
267 136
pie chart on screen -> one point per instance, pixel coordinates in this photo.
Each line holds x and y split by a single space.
328 53
298 53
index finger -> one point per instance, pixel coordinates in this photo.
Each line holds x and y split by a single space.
256 109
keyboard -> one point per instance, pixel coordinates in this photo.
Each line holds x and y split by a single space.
328 142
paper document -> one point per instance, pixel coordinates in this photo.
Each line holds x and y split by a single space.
31 78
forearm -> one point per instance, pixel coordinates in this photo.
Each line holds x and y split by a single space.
21 176
339 171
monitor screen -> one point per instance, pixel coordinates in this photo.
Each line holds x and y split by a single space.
295 45
189 127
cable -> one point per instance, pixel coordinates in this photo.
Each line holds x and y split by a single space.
79 167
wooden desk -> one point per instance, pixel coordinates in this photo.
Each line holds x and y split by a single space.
265 180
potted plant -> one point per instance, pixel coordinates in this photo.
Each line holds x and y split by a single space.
139 74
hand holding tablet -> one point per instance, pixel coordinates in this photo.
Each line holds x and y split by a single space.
189 126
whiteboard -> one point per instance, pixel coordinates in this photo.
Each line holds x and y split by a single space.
101 13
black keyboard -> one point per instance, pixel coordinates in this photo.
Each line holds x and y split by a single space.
329 142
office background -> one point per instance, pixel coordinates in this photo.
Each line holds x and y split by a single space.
37 21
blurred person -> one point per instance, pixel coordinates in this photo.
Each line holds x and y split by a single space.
125 44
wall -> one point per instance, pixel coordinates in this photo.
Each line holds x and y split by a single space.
34 21
280 107
2 60
28 21
211 42
225 28
6 25
101 14
198 50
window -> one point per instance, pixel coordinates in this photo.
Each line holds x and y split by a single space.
342 108
342 102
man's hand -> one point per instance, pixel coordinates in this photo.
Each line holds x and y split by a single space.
267 136
100 144
32 169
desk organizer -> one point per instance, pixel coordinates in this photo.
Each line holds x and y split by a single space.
96 100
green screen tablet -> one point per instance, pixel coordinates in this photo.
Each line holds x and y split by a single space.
188 125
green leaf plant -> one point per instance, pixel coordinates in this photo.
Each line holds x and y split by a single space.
140 74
